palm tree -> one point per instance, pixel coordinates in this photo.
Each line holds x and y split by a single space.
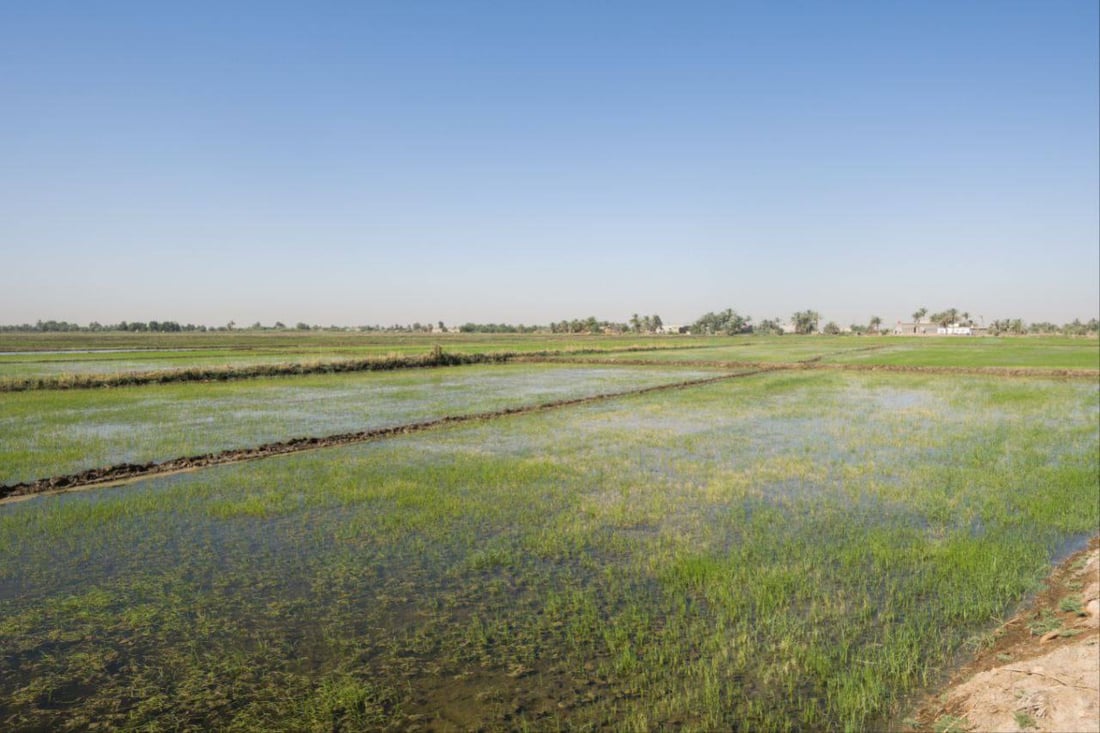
874 324
805 321
917 315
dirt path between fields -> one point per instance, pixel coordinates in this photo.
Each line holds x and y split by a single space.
129 471
1042 671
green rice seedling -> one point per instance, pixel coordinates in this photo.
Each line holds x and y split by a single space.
97 360
1047 352
45 434
782 551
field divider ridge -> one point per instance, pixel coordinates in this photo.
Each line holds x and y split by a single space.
125 472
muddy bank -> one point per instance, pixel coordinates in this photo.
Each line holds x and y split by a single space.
127 471
1041 670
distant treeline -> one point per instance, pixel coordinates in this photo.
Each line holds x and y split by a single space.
65 326
723 323
644 324
1017 326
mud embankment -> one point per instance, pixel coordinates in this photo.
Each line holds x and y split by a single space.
128 471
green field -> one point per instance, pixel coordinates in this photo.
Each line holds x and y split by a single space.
56 432
789 550
774 349
30 354
56 356
1032 352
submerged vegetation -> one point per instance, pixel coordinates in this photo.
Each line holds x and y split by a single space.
790 550
92 437
437 357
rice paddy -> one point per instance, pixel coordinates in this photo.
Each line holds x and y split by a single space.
792 550
30 355
57 432
1018 353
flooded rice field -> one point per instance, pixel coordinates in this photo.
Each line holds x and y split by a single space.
776 552
46 433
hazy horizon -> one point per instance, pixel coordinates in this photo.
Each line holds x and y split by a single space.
379 163
453 325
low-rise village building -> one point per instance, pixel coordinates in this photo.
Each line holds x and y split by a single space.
927 328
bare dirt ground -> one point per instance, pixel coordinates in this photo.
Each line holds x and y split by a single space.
1042 670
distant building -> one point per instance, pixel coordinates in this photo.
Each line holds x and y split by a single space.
917 328
925 328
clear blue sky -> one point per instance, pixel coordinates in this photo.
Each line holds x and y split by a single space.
380 162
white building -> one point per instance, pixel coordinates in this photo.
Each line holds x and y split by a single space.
927 328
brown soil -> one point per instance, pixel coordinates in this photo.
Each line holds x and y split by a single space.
1042 671
130 471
